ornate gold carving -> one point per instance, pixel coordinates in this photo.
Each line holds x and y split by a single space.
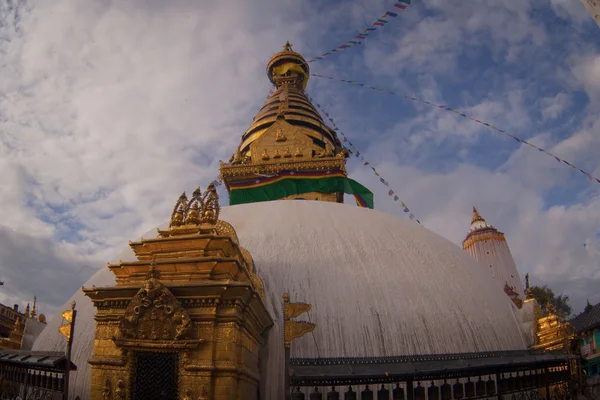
106 390
280 137
287 153
120 393
154 313
200 209
276 154
264 155
298 152
294 329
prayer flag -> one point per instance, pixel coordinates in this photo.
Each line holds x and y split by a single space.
401 6
391 14
378 24
396 198
391 192
366 163
406 209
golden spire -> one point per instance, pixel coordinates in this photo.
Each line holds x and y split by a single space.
476 216
287 134
33 310
27 310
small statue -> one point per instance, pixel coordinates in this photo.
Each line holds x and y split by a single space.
106 390
193 215
265 155
280 136
298 152
120 392
276 154
328 149
287 153
237 157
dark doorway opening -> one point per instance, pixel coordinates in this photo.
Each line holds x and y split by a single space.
156 376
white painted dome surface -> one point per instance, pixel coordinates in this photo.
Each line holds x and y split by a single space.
379 286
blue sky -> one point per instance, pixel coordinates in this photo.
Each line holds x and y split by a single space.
108 110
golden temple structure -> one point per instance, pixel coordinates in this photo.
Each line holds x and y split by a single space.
552 333
195 326
287 136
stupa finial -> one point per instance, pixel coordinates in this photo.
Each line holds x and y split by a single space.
288 46
476 215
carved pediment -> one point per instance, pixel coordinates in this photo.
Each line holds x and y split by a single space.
281 142
155 314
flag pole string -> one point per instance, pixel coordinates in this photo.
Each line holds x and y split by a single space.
590 177
348 145
393 12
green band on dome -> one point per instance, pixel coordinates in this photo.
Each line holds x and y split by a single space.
290 187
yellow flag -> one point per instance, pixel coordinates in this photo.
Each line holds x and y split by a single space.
292 310
65 330
294 330
68 315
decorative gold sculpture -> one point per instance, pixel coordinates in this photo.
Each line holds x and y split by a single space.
120 392
106 390
280 137
154 313
200 209
294 329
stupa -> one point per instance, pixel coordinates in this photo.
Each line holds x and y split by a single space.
378 285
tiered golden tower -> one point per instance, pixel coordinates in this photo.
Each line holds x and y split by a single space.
287 138
187 318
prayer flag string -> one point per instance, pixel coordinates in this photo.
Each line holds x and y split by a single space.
590 177
352 149
397 8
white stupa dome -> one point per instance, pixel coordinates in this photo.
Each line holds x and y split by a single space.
379 286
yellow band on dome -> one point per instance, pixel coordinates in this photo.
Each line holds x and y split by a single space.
283 68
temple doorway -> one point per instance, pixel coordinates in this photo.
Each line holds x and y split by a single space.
156 376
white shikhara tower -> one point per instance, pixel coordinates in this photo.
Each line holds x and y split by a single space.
593 8
488 246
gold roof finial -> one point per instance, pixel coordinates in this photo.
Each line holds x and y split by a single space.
33 310
27 310
288 69
476 216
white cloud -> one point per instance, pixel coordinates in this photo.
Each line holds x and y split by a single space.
108 110
555 106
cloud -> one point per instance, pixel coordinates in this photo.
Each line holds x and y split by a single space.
109 110
554 106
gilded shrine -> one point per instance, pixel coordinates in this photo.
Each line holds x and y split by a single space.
288 152
186 319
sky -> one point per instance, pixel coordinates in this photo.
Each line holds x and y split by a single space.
110 109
